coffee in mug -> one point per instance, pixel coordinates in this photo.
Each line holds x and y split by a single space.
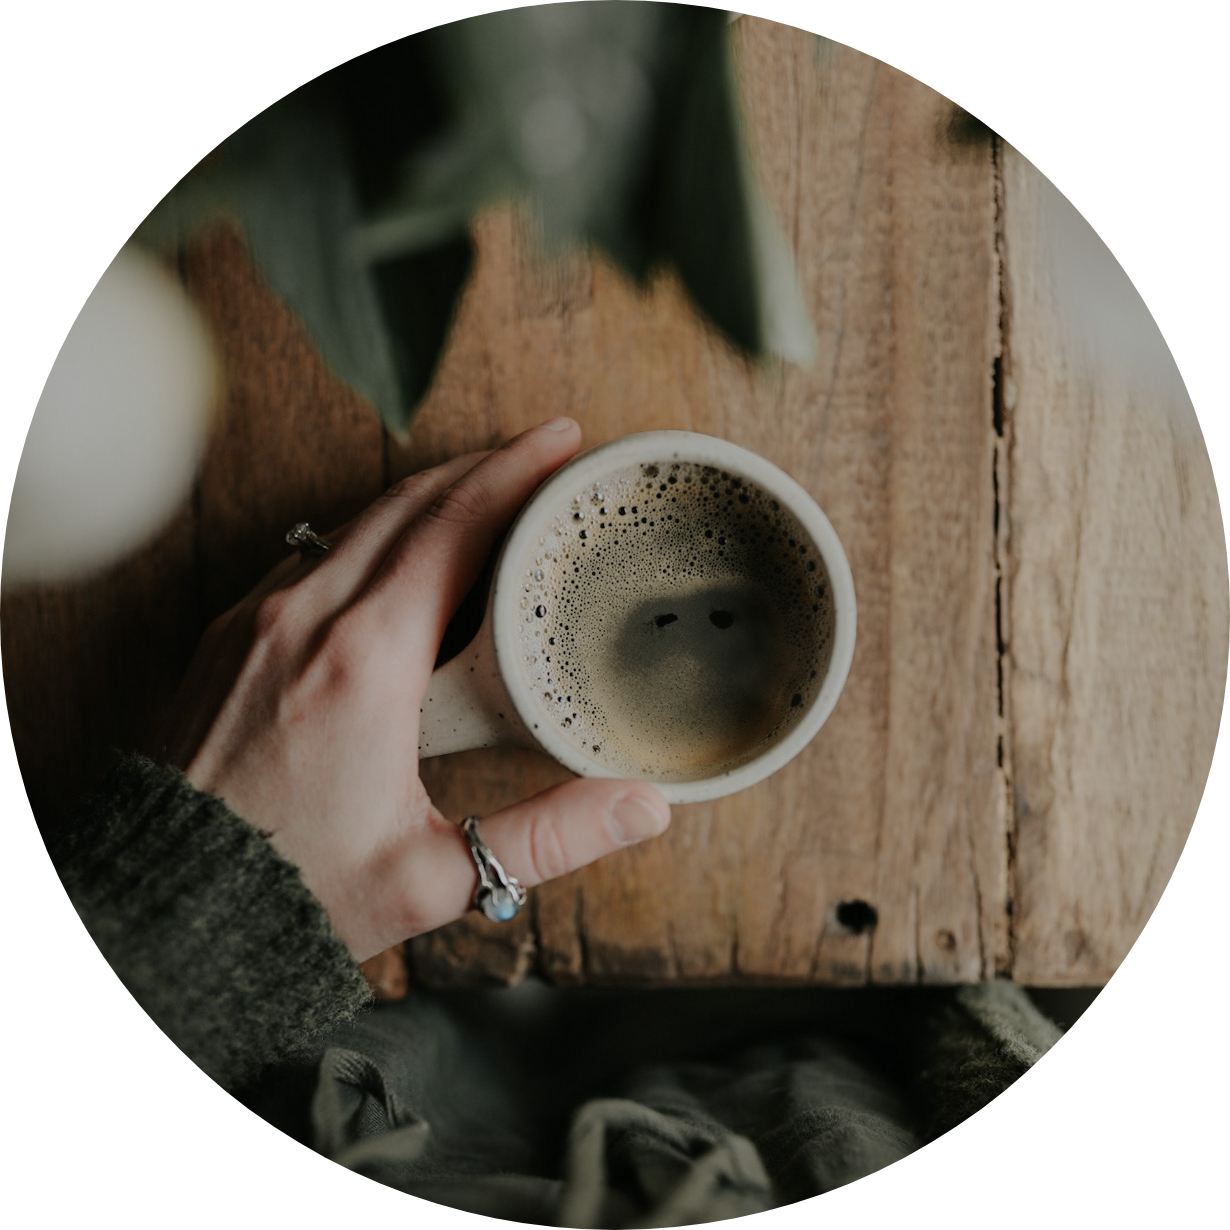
676 622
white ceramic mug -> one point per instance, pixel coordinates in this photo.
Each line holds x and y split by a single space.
486 696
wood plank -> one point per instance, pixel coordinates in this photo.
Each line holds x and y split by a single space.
1117 594
1115 611
899 803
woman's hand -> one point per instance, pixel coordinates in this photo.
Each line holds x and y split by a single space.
301 709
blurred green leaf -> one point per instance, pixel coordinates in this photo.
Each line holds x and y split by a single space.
616 122
287 179
711 221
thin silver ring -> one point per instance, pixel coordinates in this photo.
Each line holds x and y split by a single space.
309 543
498 896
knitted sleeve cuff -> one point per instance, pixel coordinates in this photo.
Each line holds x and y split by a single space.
212 931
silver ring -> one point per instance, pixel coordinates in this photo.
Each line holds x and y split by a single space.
499 896
310 544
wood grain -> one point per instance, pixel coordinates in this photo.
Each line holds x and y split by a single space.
899 803
1009 459
1118 594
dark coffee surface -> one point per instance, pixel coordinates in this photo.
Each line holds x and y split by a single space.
677 620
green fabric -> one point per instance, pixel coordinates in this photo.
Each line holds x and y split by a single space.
610 1109
584 1108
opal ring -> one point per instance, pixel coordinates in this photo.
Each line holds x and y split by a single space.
499 896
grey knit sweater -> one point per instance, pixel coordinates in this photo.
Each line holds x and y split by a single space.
601 1109
212 931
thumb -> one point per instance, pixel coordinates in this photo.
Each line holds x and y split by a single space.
547 836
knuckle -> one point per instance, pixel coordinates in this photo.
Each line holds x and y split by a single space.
340 659
274 614
462 504
547 854
409 489
323 680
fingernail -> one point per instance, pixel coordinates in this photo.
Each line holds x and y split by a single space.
561 424
633 818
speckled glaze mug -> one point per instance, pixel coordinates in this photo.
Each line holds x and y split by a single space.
667 606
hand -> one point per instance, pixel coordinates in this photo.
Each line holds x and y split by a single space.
301 709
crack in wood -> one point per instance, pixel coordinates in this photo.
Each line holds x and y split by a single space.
1001 413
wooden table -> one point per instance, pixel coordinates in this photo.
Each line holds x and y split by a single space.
1001 440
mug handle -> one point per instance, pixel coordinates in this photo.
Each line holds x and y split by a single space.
467 706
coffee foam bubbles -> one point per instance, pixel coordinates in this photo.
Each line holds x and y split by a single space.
675 621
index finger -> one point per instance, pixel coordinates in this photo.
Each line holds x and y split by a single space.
357 547
440 555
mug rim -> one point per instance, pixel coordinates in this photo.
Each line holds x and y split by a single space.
657 446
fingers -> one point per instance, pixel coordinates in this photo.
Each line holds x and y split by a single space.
359 547
573 824
425 520
538 839
425 576
379 523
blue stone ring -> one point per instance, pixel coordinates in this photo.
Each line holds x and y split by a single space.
499 896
